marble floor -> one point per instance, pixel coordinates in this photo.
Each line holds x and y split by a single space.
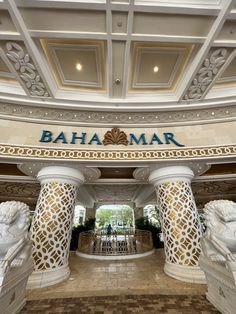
113 283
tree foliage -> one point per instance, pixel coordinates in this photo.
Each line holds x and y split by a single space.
120 216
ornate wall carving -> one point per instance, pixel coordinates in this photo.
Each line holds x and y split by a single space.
212 190
115 137
26 192
115 193
26 70
206 74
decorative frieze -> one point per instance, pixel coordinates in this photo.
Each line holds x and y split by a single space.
29 152
71 116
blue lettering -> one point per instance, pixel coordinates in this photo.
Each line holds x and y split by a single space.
169 137
155 138
74 137
61 137
46 137
95 138
137 140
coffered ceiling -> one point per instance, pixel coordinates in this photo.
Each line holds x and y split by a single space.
117 53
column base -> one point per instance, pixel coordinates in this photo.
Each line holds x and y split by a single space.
191 274
46 278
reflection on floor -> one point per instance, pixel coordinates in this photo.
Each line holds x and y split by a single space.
127 286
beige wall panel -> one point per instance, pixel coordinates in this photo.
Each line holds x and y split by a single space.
64 20
21 133
168 24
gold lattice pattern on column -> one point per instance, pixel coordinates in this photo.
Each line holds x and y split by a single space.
180 223
51 227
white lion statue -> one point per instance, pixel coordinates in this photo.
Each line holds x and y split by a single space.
218 258
15 255
219 240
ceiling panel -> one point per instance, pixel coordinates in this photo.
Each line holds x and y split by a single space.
229 74
158 66
116 173
77 64
228 31
118 59
10 169
6 23
119 22
171 24
4 71
221 169
64 20
173 37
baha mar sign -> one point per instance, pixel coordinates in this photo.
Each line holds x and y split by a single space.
113 137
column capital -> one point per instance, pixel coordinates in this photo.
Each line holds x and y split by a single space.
60 174
171 174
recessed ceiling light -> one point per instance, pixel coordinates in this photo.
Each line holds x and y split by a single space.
78 67
155 69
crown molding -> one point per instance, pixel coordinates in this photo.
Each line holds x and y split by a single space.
32 113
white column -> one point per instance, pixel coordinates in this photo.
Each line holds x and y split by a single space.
90 213
138 212
180 223
52 223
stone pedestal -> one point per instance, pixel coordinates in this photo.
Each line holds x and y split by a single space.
181 230
12 287
221 285
15 256
52 224
218 258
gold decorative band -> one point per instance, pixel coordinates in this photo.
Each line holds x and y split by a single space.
69 154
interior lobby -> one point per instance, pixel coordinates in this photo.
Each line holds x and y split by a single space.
117 102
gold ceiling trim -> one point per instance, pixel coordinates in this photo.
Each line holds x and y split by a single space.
100 46
29 152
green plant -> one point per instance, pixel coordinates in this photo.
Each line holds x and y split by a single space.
77 229
144 224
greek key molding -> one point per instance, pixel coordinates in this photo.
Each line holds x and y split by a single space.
26 70
29 152
206 74
162 118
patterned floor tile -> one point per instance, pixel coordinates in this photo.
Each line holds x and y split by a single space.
150 304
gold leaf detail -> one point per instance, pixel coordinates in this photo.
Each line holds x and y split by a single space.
115 137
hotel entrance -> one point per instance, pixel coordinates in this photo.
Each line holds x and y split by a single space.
117 156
